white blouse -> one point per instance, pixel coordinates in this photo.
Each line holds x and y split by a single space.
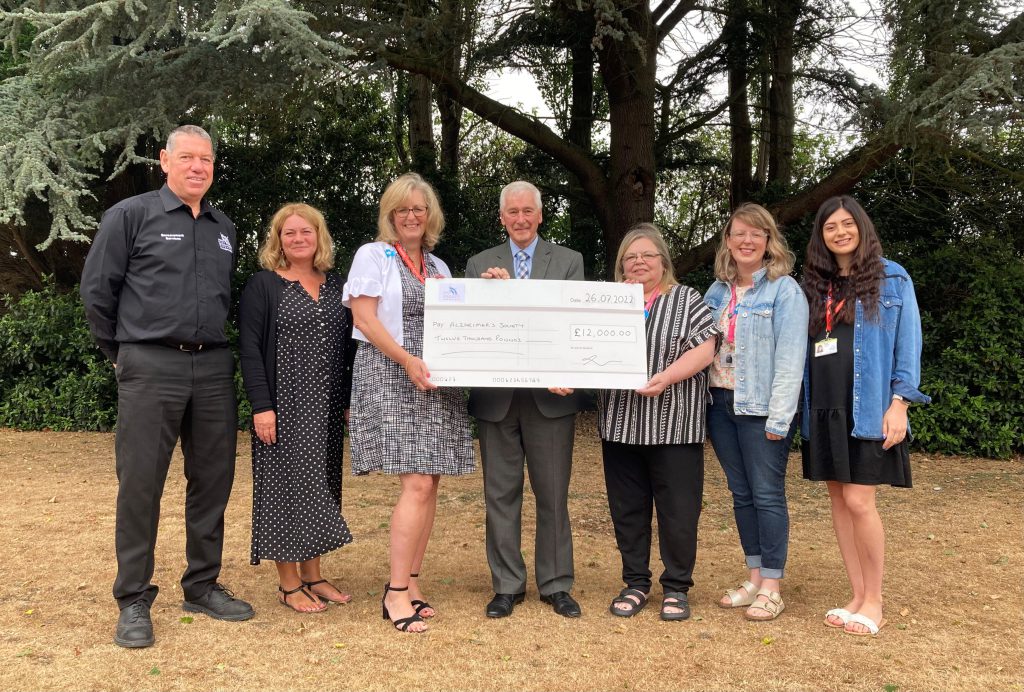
375 272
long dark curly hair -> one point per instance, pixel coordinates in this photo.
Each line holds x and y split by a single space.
821 270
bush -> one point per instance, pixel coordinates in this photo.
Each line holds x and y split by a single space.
51 373
972 296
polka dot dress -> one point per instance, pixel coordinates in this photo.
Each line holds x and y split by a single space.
297 481
396 428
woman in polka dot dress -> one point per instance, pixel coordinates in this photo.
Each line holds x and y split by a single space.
296 354
402 423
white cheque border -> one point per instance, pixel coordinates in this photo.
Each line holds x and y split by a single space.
495 333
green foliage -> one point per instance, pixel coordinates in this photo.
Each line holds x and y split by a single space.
51 373
973 365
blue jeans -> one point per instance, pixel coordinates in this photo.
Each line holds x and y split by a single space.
755 468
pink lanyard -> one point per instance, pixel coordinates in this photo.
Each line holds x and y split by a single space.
730 334
650 303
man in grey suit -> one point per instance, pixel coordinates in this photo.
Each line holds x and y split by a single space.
536 424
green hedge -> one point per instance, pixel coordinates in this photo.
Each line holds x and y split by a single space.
53 377
972 299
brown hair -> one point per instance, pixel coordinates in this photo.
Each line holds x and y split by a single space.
821 269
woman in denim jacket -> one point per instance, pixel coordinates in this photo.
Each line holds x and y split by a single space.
863 372
755 387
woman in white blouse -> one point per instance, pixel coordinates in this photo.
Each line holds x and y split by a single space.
402 423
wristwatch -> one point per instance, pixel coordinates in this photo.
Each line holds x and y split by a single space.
897 397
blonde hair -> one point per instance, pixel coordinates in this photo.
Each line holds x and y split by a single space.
272 255
395 196
778 259
651 232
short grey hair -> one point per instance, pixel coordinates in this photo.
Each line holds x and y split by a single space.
516 187
187 130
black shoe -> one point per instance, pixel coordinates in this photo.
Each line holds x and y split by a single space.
221 604
678 600
502 604
563 604
134 628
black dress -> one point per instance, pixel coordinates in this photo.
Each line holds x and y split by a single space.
831 453
296 513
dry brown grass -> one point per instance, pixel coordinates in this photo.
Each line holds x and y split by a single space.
953 593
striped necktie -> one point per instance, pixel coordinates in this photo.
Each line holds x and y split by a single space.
522 272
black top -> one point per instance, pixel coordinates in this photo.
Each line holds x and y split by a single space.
257 339
155 273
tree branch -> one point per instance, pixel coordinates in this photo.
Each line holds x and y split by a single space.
666 25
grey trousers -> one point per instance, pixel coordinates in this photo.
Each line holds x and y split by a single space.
164 394
546 444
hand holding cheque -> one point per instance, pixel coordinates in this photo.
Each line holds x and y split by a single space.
556 334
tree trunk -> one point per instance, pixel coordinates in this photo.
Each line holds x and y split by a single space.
628 70
741 134
781 110
422 154
584 233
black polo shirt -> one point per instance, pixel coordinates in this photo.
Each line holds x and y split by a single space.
156 274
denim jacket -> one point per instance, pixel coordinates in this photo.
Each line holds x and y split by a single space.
771 344
886 356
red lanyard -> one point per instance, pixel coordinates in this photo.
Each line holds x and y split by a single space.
730 333
650 303
831 314
421 276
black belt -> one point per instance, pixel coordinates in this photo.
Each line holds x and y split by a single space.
186 346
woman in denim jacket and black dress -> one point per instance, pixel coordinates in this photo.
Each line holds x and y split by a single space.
755 388
863 372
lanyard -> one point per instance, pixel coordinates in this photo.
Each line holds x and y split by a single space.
650 303
421 276
831 314
730 333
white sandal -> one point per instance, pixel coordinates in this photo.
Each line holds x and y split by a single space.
772 604
842 613
872 626
736 599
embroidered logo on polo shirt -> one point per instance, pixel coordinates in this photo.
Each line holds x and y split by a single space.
224 243
172 236
389 252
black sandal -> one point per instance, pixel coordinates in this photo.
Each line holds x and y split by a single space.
308 594
310 584
634 606
675 599
401 624
421 605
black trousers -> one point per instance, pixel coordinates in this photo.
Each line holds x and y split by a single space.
164 394
671 478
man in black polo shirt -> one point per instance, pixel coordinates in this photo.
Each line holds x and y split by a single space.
156 288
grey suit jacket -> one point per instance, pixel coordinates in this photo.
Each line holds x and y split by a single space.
551 262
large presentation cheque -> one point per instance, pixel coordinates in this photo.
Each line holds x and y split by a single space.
511 333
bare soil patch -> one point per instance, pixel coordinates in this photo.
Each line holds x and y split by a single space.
953 592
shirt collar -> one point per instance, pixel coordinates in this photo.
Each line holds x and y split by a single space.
529 249
171 202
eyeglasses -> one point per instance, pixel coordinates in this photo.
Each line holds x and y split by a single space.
646 256
748 235
405 211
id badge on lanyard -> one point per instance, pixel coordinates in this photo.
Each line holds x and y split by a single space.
829 345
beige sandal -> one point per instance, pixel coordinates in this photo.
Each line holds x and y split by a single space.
737 599
772 604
